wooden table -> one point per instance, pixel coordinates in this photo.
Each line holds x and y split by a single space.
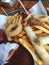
27 4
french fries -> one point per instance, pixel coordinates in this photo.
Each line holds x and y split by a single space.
38 32
44 40
35 37
46 46
43 29
46 26
30 48
39 49
21 34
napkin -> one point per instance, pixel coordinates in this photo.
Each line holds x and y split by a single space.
38 9
2 20
4 51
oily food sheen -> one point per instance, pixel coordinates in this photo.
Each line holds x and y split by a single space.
28 32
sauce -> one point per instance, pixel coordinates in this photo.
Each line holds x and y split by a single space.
21 57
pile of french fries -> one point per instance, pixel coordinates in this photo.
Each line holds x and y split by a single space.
27 32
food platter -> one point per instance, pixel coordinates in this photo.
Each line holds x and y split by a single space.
25 54
35 31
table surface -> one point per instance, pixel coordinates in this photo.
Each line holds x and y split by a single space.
27 4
